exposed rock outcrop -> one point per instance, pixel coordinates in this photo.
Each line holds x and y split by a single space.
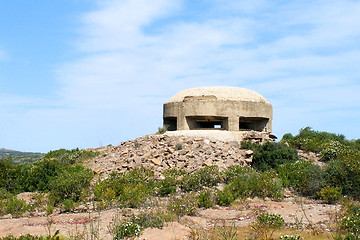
160 152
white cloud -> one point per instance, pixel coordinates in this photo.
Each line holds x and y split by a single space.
117 25
303 57
240 6
134 54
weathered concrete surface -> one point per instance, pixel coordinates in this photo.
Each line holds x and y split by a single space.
229 108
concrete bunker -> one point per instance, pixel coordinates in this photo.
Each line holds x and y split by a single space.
218 108
253 123
207 122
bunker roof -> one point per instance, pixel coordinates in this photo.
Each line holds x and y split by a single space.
218 93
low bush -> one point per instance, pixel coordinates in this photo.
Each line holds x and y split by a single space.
4 194
70 183
270 155
129 189
255 184
266 224
184 204
310 140
171 181
68 205
355 144
208 176
32 237
330 194
225 197
127 229
38 202
162 130
149 219
14 206
133 195
344 172
70 157
235 171
37 176
334 149
206 199
129 226
351 222
303 176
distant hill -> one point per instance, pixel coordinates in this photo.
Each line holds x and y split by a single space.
19 157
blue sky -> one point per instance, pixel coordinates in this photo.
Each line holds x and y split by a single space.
87 73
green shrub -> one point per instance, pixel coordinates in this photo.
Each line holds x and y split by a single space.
133 195
355 144
235 171
270 220
129 189
287 137
13 206
70 183
225 197
13 177
50 209
330 194
172 179
135 187
266 224
68 205
37 176
162 130
167 186
351 222
32 237
174 173
4 194
270 155
41 173
184 204
205 177
149 219
310 140
255 184
38 202
69 157
344 172
303 176
206 199
333 150
126 230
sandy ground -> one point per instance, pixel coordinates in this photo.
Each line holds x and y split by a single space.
242 214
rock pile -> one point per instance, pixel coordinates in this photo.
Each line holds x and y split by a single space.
311 156
160 152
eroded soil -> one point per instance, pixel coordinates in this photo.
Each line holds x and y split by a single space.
296 212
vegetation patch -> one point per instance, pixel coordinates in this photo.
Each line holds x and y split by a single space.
61 183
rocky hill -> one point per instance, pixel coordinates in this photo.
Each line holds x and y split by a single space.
161 152
19 157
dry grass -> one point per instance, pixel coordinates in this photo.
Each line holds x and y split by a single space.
224 231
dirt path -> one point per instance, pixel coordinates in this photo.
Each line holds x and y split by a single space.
242 214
